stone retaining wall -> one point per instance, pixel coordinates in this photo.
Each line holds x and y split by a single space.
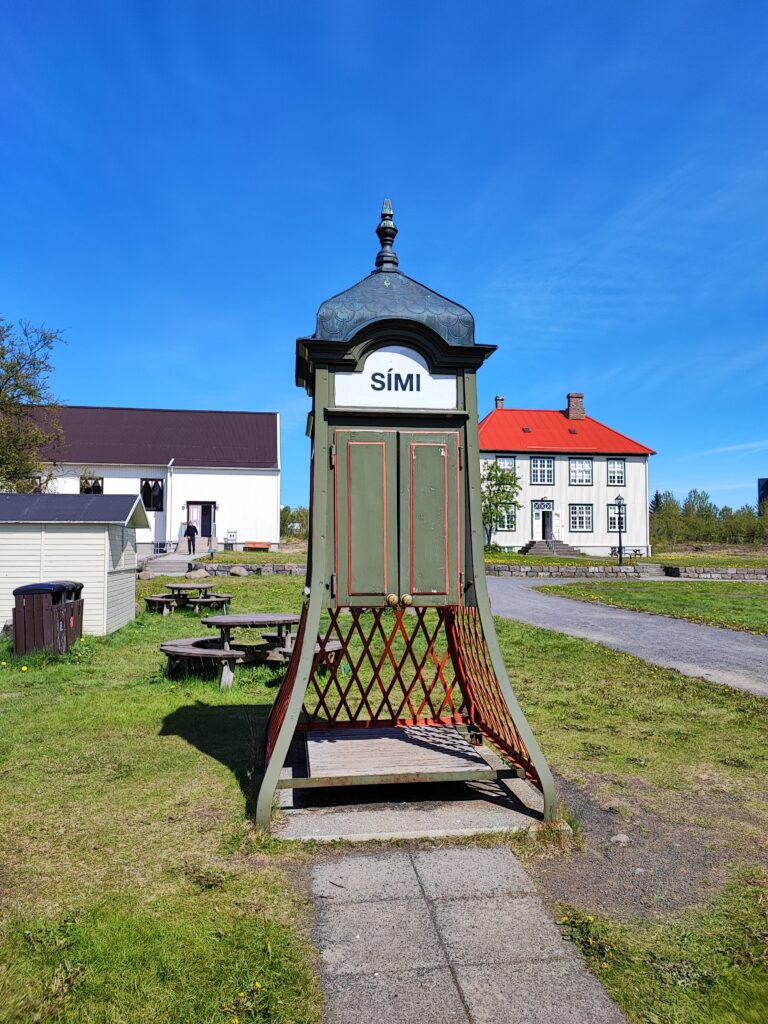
567 571
695 572
251 568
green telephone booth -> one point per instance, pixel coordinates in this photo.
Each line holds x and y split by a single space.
396 674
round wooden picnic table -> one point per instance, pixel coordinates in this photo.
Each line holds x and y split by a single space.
258 620
182 588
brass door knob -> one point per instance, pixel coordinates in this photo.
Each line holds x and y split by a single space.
392 600
406 600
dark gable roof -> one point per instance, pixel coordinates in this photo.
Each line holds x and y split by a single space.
72 508
95 436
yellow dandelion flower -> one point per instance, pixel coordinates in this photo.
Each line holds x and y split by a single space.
603 966
257 984
3 663
590 919
590 940
240 995
565 920
23 668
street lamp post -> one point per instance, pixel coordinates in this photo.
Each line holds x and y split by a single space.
620 507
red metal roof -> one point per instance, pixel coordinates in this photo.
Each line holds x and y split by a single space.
94 435
502 430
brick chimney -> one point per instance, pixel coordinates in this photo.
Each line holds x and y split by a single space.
499 401
575 410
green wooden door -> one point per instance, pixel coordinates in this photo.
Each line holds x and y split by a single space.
397 517
430 517
366 516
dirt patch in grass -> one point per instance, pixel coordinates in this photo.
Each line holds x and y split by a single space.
664 866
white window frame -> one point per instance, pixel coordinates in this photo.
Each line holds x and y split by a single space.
580 467
542 470
587 515
507 518
619 479
613 517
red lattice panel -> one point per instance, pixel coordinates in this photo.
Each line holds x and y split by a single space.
429 667
486 707
394 668
279 708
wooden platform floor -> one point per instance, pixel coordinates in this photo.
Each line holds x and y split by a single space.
408 754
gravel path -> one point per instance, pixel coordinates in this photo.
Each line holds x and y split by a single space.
718 655
445 936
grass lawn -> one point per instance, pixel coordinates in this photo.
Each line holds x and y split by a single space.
133 889
717 603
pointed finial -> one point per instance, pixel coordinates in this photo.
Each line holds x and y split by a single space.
386 258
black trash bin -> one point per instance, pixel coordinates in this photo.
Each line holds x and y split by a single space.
47 616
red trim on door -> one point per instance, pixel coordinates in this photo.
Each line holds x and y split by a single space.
383 446
428 444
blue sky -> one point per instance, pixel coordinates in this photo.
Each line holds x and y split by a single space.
184 182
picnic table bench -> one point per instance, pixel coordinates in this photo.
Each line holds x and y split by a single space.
628 552
202 652
211 601
224 653
164 603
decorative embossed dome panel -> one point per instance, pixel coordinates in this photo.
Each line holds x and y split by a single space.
387 294
392 295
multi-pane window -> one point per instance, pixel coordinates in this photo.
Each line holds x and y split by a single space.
616 473
507 520
152 495
506 462
613 518
581 471
580 518
542 471
91 485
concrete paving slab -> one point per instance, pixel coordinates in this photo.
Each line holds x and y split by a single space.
433 957
443 873
358 938
366 877
462 810
410 997
498 929
551 992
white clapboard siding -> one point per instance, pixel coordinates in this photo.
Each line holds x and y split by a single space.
77 552
20 561
121 577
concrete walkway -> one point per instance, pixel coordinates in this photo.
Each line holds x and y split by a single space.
446 936
718 655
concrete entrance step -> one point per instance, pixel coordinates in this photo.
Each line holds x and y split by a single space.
650 569
559 547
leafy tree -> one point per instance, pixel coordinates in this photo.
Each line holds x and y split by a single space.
27 407
294 522
500 488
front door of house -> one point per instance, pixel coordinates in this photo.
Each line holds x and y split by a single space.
202 514
397 516
542 513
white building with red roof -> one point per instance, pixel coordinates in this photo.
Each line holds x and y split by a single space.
573 472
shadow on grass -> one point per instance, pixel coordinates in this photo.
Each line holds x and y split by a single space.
232 734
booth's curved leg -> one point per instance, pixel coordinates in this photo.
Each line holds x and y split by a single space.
297 679
539 762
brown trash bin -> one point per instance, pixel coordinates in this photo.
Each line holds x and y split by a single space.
47 616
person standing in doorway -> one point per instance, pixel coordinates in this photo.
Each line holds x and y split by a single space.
190 533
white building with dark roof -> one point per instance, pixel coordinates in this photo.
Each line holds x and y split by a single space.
220 470
579 481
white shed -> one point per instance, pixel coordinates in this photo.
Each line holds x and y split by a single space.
90 538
